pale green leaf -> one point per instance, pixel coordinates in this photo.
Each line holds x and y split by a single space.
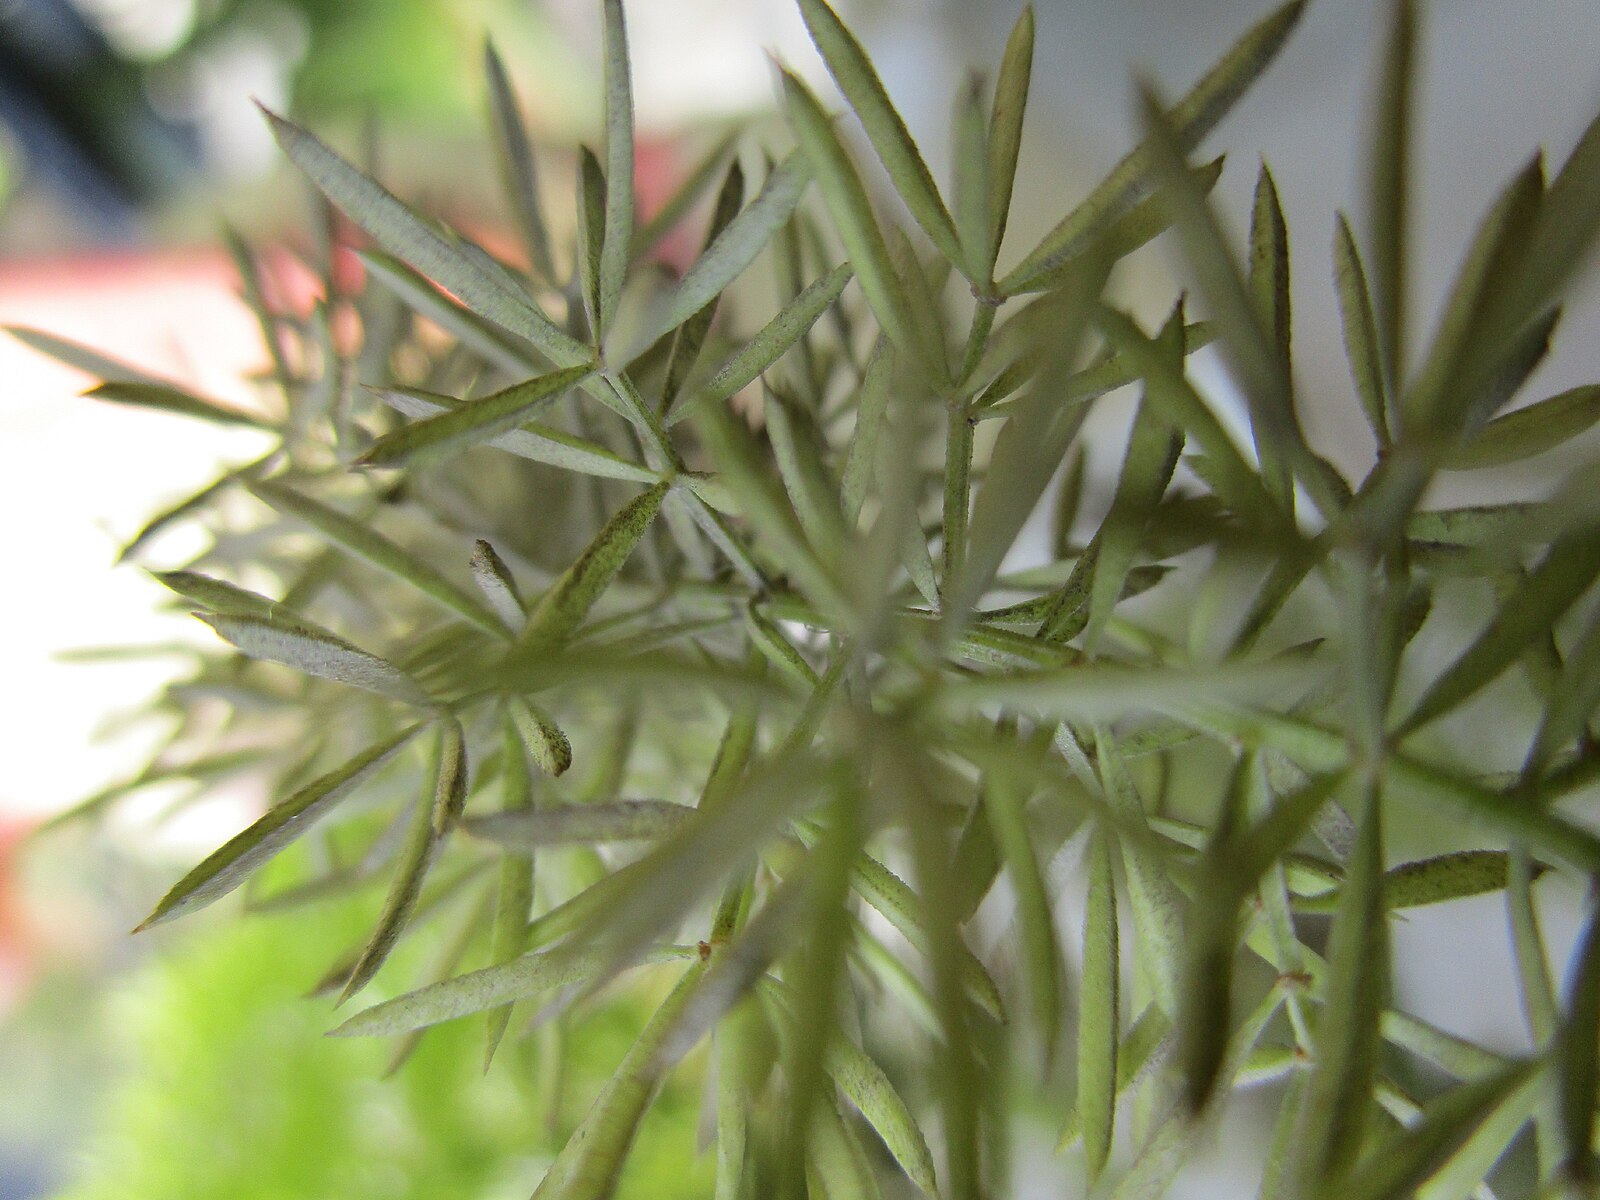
869 1089
618 242
449 776
691 333
1361 346
541 736
1528 431
1098 1009
411 868
498 585
1005 127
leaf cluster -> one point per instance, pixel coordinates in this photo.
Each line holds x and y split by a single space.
672 626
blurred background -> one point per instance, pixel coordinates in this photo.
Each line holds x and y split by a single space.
128 134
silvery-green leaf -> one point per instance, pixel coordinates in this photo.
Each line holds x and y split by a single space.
434 252
530 440
387 555
541 736
691 334
852 70
737 246
1430 881
617 247
227 867
1005 127
450 776
514 355
472 422
498 585
871 409
315 653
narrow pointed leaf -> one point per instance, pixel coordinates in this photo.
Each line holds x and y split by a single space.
530 440
1361 345
588 1165
1576 1054
1389 190
691 334
617 249
498 585
847 201
82 358
541 736
517 165
694 185
1191 119
434 252
869 1089
1430 881
770 344
871 410
736 247
473 422
514 896
1005 127
562 608
1566 572
852 70
231 864
450 776
411 868
167 398
1528 431
1098 1009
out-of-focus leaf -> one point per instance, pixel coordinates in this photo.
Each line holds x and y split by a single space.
871 410
514 896
847 201
618 244
1389 186
229 865
517 165
428 248
1005 804
588 1165
691 333
1191 119
562 824
1528 431
1576 1054
387 555
677 206
1098 1009
167 398
1566 572
1339 1098
82 358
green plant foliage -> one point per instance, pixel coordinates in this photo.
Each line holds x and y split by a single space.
679 626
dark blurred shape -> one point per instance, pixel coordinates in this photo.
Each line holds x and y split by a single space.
81 118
